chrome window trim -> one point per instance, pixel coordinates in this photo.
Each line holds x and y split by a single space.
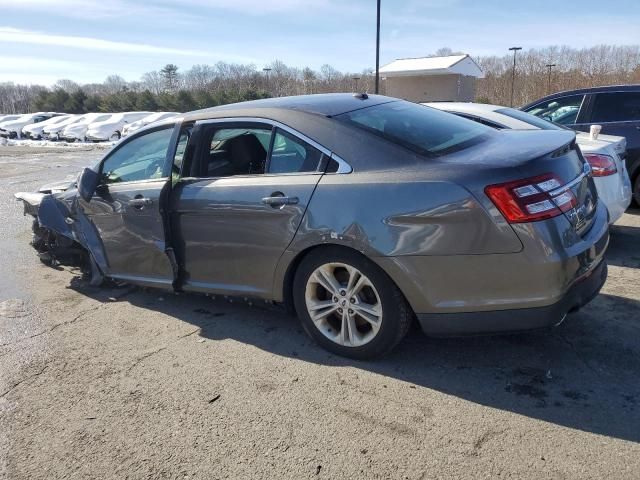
343 166
607 123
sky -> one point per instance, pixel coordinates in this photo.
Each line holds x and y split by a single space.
86 40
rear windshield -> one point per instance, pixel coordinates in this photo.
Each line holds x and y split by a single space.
422 129
530 119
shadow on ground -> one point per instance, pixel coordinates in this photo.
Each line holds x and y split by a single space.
581 375
624 246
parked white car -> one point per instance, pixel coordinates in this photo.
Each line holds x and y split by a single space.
605 155
6 118
53 131
13 128
35 130
149 119
111 128
78 130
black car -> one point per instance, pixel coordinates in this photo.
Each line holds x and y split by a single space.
616 108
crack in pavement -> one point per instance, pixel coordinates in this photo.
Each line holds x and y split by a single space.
57 325
16 385
142 358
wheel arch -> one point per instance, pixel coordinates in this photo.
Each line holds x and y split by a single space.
284 287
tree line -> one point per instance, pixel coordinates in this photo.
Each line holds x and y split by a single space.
202 86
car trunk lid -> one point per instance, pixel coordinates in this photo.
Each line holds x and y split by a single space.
513 159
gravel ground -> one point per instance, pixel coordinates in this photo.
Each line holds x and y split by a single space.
134 383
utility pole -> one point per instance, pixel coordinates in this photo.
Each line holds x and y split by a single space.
378 49
355 79
266 70
549 66
513 74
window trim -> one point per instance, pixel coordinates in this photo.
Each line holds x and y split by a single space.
343 166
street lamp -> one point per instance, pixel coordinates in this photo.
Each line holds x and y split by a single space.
378 49
266 71
356 83
513 74
549 66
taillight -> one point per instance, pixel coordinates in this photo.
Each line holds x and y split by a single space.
601 165
531 199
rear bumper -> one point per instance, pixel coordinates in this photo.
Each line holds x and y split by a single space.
452 324
615 192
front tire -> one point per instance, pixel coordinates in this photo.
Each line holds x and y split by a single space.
349 305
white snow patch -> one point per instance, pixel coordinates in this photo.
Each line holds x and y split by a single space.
49 144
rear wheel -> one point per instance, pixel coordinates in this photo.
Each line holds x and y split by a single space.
349 305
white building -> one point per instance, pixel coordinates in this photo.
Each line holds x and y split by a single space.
432 79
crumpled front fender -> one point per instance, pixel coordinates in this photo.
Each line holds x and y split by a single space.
68 220
55 216
30 201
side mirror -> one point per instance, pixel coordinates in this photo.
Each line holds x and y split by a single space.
88 183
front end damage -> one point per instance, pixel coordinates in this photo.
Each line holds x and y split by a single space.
62 235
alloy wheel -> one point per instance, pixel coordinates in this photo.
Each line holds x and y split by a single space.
343 304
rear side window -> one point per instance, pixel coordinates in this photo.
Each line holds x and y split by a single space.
290 155
563 111
422 129
525 117
616 107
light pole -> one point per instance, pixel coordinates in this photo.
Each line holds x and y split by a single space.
378 49
355 79
266 70
549 66
513 74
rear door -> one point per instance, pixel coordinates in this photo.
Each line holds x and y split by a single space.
240 203
619 114
126 208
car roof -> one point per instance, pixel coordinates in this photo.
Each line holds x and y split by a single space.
582 91
325 104
491 113
464 106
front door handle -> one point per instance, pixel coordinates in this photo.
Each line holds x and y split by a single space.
140 202
280 200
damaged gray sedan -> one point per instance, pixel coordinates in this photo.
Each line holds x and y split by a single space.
361 213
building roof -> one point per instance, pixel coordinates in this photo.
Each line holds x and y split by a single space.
452 64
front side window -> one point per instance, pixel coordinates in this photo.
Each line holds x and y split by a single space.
563 111
290 155
141 158
422 129
616 107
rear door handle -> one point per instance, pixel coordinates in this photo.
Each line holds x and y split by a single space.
140 202
278 201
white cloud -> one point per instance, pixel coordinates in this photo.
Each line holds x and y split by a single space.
15 35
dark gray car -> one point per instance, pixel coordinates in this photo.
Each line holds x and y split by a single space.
362 213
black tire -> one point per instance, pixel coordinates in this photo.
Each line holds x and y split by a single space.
636 190
397 315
